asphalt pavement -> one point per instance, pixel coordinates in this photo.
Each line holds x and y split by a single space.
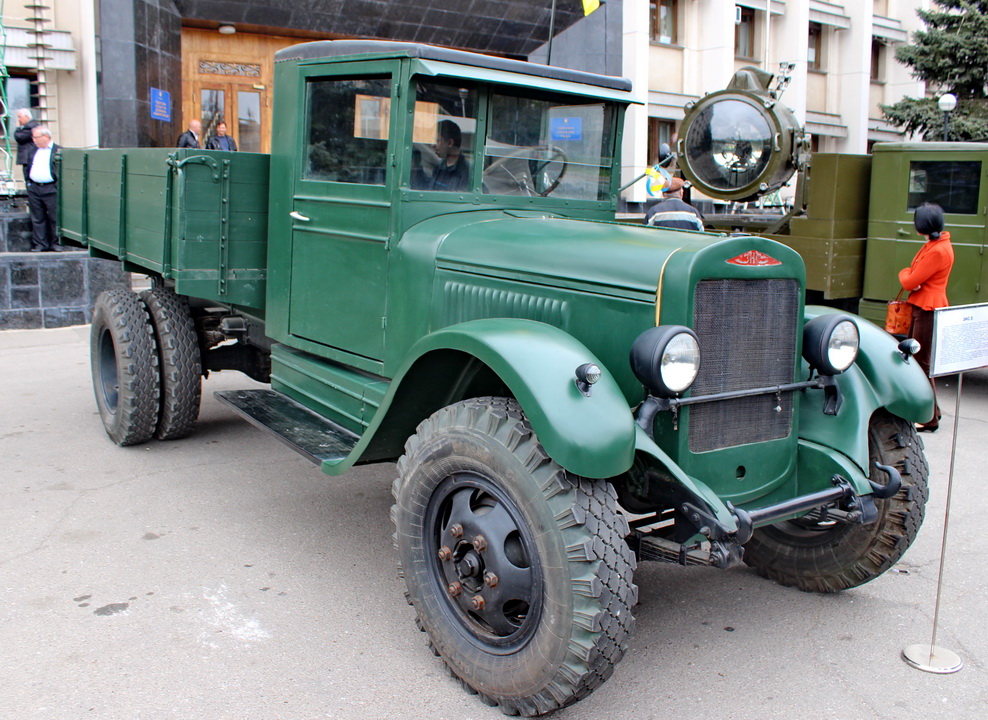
224 577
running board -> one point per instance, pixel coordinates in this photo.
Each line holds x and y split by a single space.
307 433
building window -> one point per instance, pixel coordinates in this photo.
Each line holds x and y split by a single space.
877 60
659 132
814 56
744 33
663 23
22 92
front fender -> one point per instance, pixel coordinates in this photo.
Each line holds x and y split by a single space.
879 378
590 436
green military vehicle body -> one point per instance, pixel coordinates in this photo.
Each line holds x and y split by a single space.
564 395
852 215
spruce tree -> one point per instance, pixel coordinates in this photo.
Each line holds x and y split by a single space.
950 55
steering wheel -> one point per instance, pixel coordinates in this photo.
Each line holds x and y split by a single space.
537 181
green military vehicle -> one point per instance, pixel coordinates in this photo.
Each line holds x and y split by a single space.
852 215
427 270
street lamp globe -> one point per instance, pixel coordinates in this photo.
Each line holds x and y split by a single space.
947 102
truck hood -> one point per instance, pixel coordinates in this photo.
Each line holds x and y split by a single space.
608 258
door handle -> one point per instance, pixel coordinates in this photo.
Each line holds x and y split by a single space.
298 216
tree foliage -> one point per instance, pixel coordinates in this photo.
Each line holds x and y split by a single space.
950 55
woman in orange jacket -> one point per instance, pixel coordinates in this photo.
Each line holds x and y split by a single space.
926 280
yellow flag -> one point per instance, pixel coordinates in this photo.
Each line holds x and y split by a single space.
589 6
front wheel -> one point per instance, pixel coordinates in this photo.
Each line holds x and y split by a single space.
518 570
824 556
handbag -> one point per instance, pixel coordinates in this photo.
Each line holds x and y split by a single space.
898 316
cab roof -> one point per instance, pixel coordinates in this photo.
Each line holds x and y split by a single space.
326 49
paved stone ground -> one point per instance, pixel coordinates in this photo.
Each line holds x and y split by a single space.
223 577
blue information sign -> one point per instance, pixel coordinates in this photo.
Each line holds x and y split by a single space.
161 105
566 128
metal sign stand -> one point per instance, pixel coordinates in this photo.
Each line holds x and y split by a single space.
921 656
960 342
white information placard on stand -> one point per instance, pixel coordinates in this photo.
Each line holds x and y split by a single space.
960 343
960 339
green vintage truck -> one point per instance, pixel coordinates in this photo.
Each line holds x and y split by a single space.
427 270
851 218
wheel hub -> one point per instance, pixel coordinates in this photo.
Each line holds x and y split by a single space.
471 566
485 560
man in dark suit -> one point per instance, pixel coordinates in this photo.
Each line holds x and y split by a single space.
190 138
42 191
25 142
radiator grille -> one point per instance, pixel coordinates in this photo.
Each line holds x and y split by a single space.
747 331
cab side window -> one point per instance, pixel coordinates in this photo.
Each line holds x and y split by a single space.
347 126
443 137
953 185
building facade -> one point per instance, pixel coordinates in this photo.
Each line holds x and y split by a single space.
840 56
133 73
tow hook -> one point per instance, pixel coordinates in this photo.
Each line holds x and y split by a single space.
883 492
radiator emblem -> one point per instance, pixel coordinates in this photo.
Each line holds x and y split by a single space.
753 258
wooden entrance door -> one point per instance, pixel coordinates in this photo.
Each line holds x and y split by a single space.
230 77
240 105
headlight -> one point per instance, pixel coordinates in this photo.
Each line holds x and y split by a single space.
830 343
666 359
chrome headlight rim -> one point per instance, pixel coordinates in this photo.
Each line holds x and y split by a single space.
661 354
831 343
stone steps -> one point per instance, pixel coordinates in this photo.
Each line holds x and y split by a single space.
48 289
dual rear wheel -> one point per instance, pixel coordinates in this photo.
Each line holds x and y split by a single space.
146 365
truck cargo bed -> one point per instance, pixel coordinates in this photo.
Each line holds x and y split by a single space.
196 217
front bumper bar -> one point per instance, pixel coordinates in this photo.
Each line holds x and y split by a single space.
726 543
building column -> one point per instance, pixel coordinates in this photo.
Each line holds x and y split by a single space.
790 43
852 77
140 48
634 150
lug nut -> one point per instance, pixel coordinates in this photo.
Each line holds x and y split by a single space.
490 579
456 530
479 543
477 602
454 589
445 553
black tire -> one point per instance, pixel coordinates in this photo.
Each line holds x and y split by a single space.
556 620
829 557
125 367
179 360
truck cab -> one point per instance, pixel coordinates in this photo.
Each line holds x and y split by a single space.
357 166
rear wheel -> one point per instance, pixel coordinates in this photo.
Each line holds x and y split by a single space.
124 367
179 358
824 556
518 570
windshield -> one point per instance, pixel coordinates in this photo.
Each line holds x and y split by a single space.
541 146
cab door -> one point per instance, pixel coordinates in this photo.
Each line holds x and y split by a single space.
341 209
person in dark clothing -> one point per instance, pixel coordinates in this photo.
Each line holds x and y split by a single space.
452 172
221 141
673 212
190 138
25 141
42 191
